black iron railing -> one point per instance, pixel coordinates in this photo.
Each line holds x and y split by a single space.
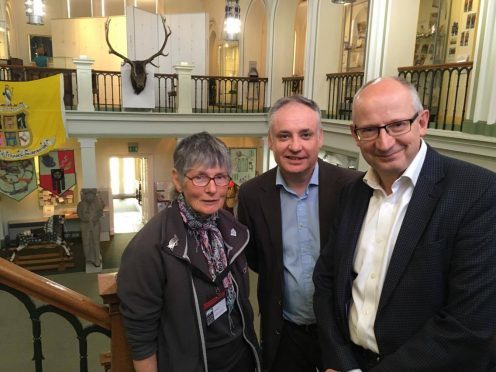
342 88
293 85
28 73
228 94
166 92
106 86
443 90
35 315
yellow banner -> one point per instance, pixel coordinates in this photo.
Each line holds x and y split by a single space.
31 117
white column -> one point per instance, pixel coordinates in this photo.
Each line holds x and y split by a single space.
391 37
88 162
483 81
183 71
376 37
4 53
265 154
311 47
84 83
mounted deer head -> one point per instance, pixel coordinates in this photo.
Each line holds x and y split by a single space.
138 68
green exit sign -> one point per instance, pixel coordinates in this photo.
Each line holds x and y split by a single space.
132 146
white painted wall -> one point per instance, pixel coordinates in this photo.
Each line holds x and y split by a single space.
327 58
282 44
188 41
86 36
400 35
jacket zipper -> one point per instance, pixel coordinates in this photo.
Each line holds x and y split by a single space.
254 349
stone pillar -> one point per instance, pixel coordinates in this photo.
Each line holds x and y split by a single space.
265 154
183 71
385 50
84 83
311 47
88 161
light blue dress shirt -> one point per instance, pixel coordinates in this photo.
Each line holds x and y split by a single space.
301 248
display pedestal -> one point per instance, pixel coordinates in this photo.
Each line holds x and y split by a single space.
44 257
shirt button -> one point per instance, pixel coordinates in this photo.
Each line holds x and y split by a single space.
373 276
277 332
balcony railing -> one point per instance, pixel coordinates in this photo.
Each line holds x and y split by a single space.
342 89
443 90
28 73
228 94
166 92
106 87
293 85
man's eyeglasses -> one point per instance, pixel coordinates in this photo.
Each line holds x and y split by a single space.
396 128
203 180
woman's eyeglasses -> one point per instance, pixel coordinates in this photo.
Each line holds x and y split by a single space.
203 180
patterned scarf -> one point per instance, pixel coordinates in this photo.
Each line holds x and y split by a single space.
211 242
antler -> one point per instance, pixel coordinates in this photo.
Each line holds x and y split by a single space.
112 50
167 31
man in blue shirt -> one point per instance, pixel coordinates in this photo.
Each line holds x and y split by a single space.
289 211
40 59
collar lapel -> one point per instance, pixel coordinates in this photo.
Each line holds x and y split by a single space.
271 210
358 208
422 204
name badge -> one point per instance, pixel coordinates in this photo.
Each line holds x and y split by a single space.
215 307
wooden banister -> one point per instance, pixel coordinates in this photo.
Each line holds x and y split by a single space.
121 352
436 67
53 293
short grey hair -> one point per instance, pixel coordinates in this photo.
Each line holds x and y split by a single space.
201 149
281 102
416 102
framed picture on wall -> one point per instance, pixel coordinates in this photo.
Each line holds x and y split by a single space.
244 163
40 44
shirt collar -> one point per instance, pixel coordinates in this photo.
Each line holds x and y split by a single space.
314 180
411 173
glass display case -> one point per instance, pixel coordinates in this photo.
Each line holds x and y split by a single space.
354 36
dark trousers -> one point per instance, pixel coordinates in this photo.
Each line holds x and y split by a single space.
299 349
246 363
366 358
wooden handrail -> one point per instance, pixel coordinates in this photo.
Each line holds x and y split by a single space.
344 74
436 67
53 293
121 352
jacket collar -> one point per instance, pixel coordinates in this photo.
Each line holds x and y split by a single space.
176 241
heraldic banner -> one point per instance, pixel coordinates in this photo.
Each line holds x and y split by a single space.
57 171
31 117
17 178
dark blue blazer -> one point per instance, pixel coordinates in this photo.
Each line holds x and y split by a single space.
437 310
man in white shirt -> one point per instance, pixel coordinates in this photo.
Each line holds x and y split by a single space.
407 281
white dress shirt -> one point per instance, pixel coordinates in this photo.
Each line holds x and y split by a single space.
375 247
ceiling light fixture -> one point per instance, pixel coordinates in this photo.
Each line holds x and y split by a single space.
232 20
35 11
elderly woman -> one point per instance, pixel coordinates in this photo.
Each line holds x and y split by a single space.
183 280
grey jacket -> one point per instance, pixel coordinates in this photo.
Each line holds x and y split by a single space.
161 310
